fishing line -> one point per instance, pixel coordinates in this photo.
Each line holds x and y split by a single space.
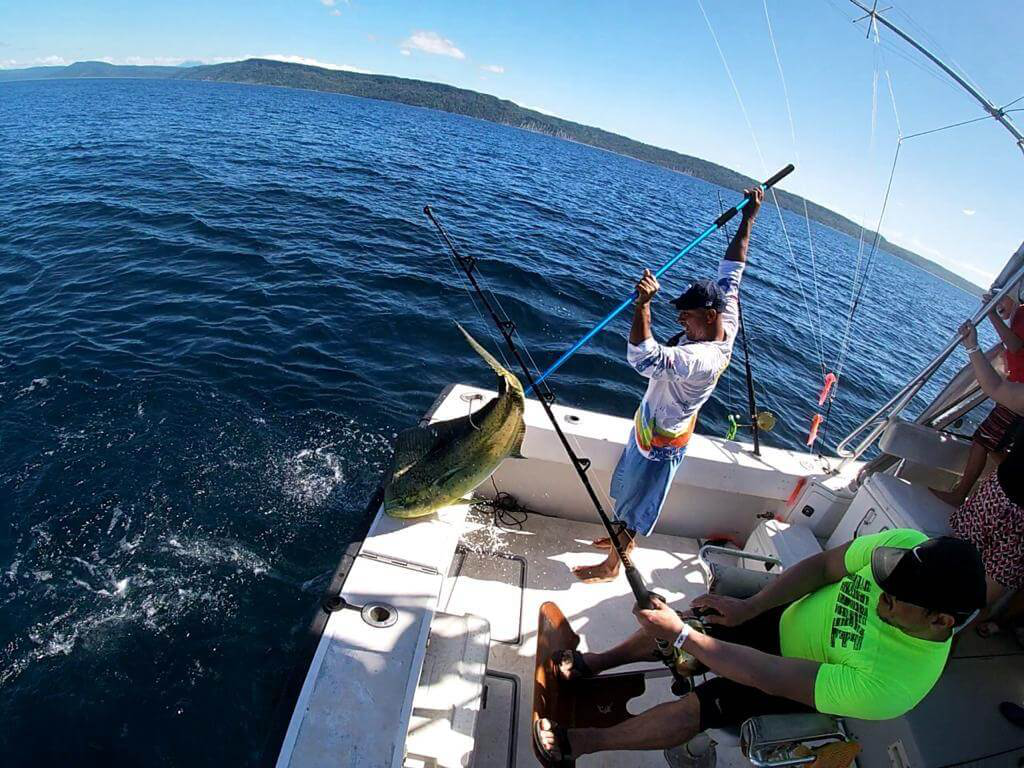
644 597
815 336
605 497
796 156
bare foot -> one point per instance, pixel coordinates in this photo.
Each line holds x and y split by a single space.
606 570
552 741
603 543
953 498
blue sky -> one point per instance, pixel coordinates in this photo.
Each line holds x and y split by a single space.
651 72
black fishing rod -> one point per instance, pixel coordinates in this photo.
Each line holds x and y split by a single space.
582 465
751 397
748 372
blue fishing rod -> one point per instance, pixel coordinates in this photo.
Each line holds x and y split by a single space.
712 228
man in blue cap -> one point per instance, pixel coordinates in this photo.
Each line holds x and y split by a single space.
682 375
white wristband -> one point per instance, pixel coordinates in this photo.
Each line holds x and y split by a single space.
683 634
971 350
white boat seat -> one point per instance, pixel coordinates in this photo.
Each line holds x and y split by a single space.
724 578
449 694
766 740
926 446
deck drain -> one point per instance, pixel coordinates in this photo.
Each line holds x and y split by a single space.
379 615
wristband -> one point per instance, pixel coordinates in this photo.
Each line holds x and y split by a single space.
972 350
681 638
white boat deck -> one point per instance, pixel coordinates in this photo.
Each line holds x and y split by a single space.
600 613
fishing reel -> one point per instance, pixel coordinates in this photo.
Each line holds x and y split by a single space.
765 422
686 664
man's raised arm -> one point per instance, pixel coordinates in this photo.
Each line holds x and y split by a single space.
737 250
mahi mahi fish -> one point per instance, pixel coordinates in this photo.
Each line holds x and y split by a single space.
437 464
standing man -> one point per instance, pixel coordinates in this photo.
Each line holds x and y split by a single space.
682 377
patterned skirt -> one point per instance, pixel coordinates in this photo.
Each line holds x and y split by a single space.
995 525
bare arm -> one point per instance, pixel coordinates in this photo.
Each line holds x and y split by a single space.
776 675
737 250
1010 339
1006 393
641 328
794 582
645 290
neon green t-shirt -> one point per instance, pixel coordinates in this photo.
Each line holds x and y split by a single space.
869 669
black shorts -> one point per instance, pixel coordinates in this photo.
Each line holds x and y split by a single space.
725 703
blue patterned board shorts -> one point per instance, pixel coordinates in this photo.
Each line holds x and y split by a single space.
640 487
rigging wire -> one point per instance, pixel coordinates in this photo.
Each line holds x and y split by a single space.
605 498
796 152
815 336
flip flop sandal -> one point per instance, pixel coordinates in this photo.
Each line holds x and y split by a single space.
987 629
565 756
578 669
1012 712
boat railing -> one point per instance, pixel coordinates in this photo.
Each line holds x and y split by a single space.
873 427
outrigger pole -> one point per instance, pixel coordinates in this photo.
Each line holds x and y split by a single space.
581 465
996 113
712 228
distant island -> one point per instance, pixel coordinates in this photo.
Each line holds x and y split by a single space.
448 98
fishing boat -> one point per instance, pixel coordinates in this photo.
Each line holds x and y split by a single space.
430 646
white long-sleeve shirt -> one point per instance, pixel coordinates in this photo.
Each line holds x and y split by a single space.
683 377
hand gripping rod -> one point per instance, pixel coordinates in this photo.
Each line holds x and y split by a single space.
712 228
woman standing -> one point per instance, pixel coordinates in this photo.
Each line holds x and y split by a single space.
993 517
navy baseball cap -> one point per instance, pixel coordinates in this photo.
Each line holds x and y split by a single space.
702 294
942 574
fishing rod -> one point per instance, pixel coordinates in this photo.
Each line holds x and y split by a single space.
755 420
712 228
751 397
644 596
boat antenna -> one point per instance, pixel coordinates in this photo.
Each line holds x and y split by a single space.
644 596
997 113
712 228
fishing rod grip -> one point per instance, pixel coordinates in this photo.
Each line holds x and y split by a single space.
644 596
727 215
779 176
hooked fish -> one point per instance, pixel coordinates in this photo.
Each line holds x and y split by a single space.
437 464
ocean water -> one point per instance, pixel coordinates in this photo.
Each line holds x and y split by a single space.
218 304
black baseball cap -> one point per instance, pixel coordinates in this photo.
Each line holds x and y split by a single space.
702 294
942 574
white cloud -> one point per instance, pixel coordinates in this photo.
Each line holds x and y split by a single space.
335 12
149 61
8 64
406 52
987 277
969 211
328 3
292 59
497 69
431 42
51 61
542 110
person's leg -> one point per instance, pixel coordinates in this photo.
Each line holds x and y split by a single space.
666 725
976 460
607 569
636 647
983 623
639 487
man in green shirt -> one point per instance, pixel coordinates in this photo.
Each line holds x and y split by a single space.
862 630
